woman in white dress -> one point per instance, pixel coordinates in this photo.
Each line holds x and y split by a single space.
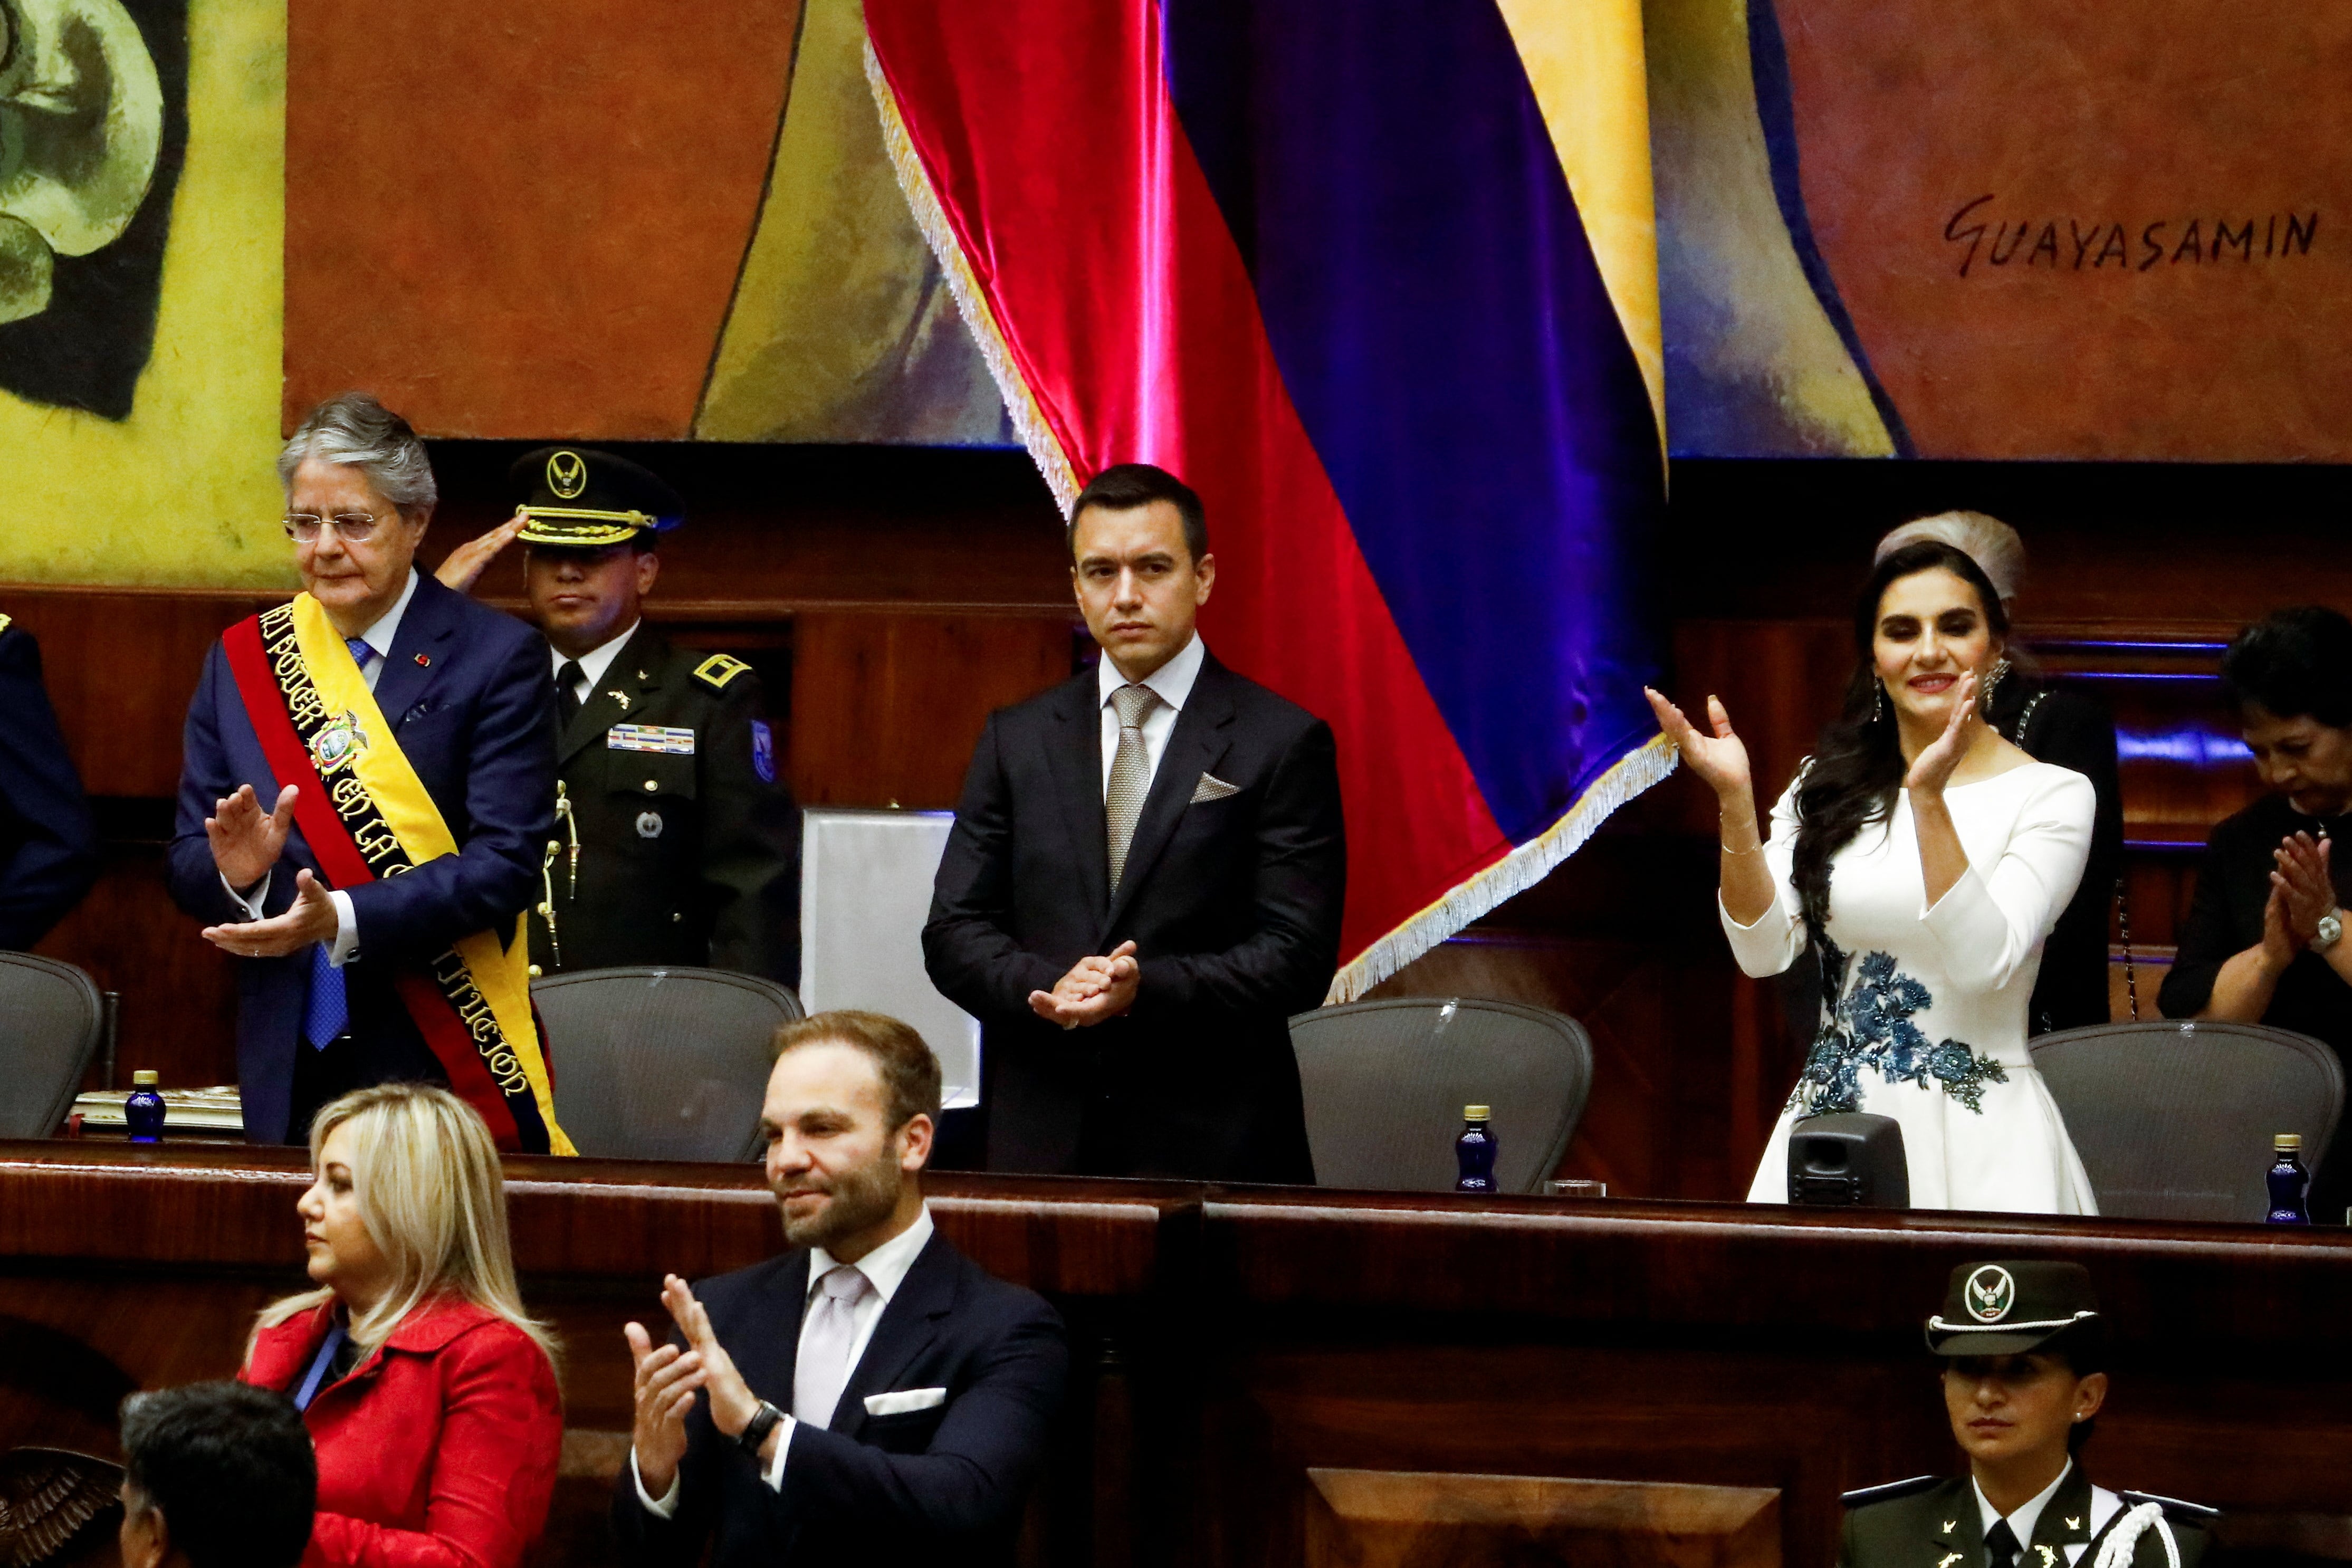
1925 858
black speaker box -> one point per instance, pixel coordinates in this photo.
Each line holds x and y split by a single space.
1848 1160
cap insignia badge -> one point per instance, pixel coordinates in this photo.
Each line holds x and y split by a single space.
1991 1294
567 475
337 745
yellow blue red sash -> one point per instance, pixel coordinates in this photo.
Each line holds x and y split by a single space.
366 815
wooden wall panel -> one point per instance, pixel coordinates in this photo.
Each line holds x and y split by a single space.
887 708
120 667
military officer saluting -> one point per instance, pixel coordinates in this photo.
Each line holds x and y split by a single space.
2024 1354
676 841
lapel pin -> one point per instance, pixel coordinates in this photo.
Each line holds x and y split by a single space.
424 661
617 695
1951 1525
2073 1524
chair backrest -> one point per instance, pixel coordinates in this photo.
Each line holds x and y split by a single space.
2174 1119
1386 1081
661 1064
50 1018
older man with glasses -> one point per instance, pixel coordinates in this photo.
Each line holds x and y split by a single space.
364 801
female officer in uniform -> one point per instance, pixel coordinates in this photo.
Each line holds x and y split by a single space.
2024 1376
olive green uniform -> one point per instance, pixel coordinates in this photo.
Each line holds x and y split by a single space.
688 841
1932 1523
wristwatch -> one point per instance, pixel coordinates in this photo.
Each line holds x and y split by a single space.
2329 933
755 1431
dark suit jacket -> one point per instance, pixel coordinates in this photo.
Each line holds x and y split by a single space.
717 880
1909 1529
49 844
924 1488
476 723
1233 905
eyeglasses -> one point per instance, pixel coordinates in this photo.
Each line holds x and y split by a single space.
355 527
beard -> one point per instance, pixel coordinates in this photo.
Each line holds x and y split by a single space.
861 1197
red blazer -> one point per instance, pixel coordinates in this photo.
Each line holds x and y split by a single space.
438 1451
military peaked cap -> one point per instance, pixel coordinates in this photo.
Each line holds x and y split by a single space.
2010 1308
579 497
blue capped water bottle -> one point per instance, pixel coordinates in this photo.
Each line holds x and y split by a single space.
1474 1151
143 1110
2290 1183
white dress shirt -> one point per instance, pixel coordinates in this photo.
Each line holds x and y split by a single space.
2028 1514
378 638
1173 683
593 663
885 1268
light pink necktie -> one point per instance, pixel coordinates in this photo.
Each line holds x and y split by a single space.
823 1370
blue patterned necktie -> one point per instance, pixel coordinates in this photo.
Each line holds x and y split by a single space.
328 1008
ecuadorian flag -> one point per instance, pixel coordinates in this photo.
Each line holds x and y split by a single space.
1378 278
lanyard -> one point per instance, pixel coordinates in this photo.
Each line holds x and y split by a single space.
319 1365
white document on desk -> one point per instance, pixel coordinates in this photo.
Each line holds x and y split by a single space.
866 891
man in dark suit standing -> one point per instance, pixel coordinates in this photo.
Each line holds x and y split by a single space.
871 1396
48 842
1145 880
403 739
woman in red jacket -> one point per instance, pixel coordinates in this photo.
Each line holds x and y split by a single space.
430 1395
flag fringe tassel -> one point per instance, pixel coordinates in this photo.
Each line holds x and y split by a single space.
1027 415
1515 873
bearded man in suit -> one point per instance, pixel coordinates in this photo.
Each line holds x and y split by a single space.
870 1396
1145 880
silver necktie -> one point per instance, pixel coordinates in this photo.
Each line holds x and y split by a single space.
823 1370
1131 774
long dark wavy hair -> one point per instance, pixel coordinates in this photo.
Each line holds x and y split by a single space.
1857 767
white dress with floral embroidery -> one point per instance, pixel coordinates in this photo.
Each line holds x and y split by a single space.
1929 1024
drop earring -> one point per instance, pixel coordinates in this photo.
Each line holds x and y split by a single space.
1992 681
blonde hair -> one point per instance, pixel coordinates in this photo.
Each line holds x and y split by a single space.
432 1194
1992 543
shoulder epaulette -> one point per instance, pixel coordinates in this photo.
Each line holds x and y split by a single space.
1890 1492
718 669
2186 1512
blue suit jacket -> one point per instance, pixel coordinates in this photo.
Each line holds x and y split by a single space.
49 844
924 1488
476 721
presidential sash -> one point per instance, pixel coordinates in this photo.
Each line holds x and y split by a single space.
366 815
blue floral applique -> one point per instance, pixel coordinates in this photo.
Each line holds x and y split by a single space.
1871 1025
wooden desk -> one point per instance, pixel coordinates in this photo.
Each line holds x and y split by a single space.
1228 1338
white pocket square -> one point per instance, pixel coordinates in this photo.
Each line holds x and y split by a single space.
1212 787
905 1400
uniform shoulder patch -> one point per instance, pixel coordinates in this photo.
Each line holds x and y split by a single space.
719 670
1890 1492
2174 1508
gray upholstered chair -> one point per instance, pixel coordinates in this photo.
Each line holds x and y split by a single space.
1386 1082
50 1020
2174 1119
661 1064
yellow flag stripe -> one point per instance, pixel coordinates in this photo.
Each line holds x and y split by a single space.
1584 59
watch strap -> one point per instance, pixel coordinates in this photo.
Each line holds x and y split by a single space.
755 1431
